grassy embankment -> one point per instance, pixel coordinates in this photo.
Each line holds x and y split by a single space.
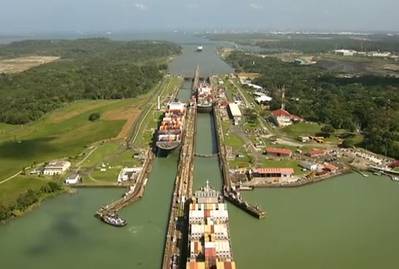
67 133
113 156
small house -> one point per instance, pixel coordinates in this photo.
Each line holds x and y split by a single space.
73 179
56 168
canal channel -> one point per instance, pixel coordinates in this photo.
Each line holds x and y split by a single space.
346 222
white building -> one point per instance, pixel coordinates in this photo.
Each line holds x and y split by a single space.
309 166
129 174
72 179
344 52
263 99
235 113
56 168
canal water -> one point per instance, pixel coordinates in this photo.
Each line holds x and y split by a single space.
346 222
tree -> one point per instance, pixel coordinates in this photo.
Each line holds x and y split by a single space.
94 116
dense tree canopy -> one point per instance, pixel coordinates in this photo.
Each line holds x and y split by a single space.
369 104
89 68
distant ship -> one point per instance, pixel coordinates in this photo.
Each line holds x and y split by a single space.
200 48
171 129
204 98
209 243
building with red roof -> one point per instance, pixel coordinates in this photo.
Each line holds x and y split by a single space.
316 153
283 118
278 152
272 172
394 164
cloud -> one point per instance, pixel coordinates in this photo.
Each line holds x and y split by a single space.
255 6
141 6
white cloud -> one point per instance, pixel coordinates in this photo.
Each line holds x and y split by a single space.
255 6
140 6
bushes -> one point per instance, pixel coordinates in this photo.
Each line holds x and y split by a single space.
27 199
94 116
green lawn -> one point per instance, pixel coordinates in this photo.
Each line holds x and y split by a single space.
13 188
302 129
49 139
233 140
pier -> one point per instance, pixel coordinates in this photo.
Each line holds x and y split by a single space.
229 191
133 193
174 245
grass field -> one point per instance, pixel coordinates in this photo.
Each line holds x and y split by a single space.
67 133
11 189
302 129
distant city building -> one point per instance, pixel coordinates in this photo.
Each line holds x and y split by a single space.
235 113
56 168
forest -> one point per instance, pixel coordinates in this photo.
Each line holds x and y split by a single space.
367 104
96 68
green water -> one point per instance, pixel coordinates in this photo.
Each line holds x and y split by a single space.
346 222
64 231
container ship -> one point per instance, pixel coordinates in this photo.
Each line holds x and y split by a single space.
204 98
171 129
209 243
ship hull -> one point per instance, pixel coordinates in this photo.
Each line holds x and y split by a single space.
165 148
204 108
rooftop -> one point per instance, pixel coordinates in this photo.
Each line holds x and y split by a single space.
283 151
274 170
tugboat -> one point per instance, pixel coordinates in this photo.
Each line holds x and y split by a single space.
113 219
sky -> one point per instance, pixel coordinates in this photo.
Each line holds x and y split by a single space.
84 16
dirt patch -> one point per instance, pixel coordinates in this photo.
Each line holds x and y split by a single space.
130 114
20 64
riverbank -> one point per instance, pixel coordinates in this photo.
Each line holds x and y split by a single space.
9 213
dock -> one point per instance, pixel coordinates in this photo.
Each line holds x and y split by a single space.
229 191
174 246
235 198
130 196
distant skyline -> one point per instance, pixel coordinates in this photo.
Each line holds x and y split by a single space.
89 16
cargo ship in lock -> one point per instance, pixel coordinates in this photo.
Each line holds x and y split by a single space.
171 129
209 245
204 98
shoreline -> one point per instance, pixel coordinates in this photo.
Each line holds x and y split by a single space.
15 214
